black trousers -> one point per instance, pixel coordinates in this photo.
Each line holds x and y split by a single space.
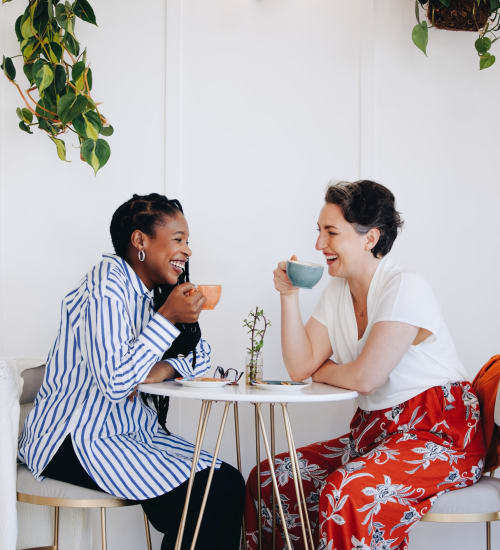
221 524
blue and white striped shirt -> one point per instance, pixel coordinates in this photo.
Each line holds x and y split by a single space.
108 340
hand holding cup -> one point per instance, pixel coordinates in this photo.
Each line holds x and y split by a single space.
281 281
303 274
183 305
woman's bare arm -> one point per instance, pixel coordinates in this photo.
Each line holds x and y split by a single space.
387 342
304 348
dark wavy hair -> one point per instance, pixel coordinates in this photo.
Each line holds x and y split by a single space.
366 205
146 212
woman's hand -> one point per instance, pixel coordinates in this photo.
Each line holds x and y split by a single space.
281 281
319 374
160 372
183 305
386 345
316 377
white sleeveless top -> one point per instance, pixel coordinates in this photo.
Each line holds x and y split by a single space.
394 295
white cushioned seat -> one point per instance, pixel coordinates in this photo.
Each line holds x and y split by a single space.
32 373
50 492
50 488
481 498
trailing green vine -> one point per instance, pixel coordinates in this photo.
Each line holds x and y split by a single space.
482 16
58 99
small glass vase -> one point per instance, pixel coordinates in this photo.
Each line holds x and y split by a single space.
254 366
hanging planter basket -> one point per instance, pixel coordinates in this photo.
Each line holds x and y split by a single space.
460 15
481 16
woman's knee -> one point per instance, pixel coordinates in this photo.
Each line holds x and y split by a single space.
231 481
236 479
339 484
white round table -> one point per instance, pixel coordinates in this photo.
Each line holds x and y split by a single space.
314 393
231 394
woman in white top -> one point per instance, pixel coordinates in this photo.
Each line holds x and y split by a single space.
377 329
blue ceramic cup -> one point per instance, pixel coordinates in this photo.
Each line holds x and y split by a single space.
303 274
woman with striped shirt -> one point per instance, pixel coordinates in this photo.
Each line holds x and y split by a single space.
88 427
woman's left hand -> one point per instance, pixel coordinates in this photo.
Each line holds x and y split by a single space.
160 372
319 375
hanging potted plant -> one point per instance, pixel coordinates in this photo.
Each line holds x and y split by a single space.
254 363
58 100
481 16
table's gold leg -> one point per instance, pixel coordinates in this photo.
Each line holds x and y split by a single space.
259 483
299 477
273 474
202 426
273 452
238 460
210 474
296 474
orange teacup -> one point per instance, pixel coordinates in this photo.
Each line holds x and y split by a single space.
212 294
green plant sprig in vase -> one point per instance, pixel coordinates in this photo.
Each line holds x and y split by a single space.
59 75
254 364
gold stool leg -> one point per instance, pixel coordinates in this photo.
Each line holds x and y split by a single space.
103 528
488 535
148 533
56 534
56 527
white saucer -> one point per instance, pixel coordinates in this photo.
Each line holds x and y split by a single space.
280 385
196 383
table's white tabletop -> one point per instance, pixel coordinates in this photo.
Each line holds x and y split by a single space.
315 393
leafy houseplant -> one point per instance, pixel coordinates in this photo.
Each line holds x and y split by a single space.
481 16
253 367
59 75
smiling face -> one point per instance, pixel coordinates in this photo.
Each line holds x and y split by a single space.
347 253
166 251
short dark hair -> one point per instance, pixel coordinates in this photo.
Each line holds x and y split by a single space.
367 205
141 212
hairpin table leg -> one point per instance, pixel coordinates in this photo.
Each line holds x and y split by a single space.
273 474
259 481
273 452
238 461
227 404
301 497
202 426
296 474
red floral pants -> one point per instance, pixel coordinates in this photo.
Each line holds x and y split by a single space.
366 489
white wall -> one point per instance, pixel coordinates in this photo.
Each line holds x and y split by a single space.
55 216
265 101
